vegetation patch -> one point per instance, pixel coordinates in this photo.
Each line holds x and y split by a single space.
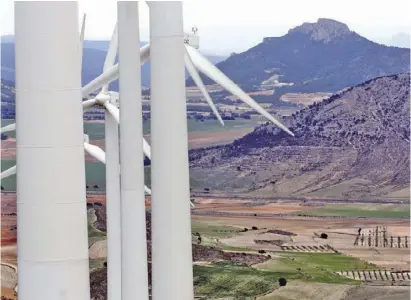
399 211
94 234
213 231
225 279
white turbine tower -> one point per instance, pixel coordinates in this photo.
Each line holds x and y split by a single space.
170 209
109 100
51 197
134 268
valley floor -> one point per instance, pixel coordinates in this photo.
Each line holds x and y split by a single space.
310 264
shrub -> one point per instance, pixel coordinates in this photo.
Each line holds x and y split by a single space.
261 251
282 281
254 228
324 236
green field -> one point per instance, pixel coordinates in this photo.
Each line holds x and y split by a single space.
94 234
95 171
212 231
95 175
96 130
226 279
392 211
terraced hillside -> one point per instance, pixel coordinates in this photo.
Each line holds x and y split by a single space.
354 144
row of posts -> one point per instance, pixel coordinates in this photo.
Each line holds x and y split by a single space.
378 238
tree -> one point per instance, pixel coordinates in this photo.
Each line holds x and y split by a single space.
282 281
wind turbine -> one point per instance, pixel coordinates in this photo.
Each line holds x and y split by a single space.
106 99
193 60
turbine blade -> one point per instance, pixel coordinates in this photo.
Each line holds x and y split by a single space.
105 78
113 110
192 204
8 172
8 128
112 50
111 54
83 29
144 53
100 155
197 79
111 74
147 190
96 152
215 74
88 104
86 138
146 148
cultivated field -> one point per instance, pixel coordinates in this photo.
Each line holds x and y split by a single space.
201 134
314 267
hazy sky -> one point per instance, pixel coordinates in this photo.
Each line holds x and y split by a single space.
234 26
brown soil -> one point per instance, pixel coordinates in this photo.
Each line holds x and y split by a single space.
195 140
240 206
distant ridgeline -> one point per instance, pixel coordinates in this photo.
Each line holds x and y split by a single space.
94 54
325 56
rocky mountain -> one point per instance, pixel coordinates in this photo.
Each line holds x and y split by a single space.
354 144
94 54
325 56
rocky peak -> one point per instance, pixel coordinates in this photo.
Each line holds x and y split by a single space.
323 30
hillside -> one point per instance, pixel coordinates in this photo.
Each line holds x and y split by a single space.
325 56
94 53
354 144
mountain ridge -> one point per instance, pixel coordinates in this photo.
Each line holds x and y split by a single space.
354 144
94 54
325 56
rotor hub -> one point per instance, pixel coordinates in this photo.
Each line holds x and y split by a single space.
102 97
191 39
